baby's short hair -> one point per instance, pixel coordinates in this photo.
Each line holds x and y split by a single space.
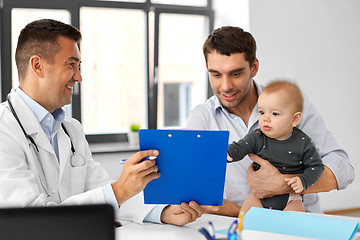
292 91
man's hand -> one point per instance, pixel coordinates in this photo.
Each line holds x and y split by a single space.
181 214
267 181
135 175
227 209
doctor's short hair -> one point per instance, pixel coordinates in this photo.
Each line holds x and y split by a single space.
293 92
228 40
40 38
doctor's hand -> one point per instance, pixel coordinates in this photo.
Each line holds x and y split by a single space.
267 181
135 175
181 214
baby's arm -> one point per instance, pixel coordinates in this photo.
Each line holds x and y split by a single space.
295 184
248 144
313 165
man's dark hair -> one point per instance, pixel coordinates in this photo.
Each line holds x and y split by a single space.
41 38
228 40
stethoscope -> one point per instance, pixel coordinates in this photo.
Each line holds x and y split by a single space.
74 161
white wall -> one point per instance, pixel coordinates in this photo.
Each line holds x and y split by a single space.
232 12
317 44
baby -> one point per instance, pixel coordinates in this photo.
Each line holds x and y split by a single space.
281 143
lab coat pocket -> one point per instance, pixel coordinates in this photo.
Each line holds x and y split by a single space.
78 179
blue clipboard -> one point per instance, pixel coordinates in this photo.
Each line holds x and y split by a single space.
192 165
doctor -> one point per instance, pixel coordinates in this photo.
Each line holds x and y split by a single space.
44 156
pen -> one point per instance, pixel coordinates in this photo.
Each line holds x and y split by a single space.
211 230
208 231
240 226
232 231
241 219
205 232
147 158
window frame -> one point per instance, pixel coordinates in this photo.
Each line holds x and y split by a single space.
74 6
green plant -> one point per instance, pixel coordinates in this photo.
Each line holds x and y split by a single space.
135 127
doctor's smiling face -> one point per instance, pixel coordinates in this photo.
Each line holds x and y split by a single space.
48 59
59 77
56 79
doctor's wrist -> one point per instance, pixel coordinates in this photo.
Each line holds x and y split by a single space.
119 192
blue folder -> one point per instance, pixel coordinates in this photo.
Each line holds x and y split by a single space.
192 165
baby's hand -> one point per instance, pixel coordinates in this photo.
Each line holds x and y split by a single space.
229 158
295 184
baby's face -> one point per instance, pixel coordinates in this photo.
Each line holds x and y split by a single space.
276 115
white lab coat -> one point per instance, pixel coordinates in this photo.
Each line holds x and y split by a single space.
31 178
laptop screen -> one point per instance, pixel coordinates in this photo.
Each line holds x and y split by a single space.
90 222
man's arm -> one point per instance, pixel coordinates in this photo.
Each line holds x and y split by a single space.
326 182
262 186
332 154
227 209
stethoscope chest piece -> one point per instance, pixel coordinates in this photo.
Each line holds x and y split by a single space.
77 160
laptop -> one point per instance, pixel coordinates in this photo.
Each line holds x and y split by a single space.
90 222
